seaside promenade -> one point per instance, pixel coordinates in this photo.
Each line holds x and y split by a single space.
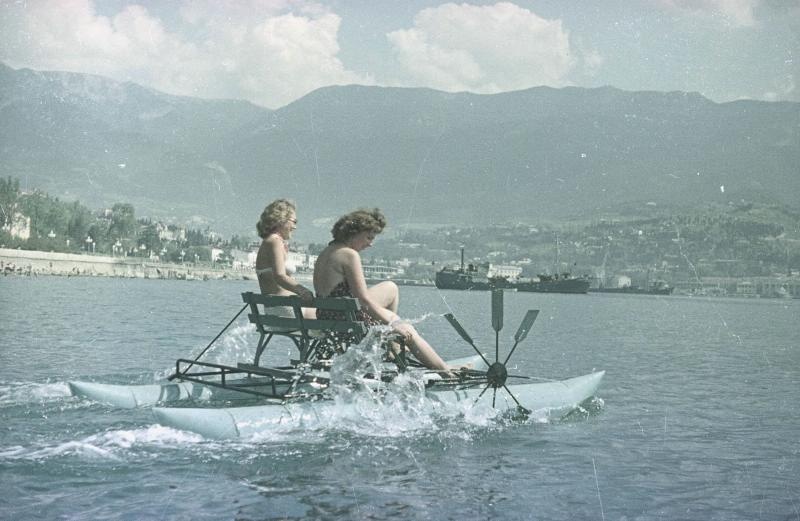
35 263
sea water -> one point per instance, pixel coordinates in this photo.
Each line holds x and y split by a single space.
697 417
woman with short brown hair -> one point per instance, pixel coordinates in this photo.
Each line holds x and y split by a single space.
338 273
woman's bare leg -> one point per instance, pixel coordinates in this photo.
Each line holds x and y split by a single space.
425 353
386 294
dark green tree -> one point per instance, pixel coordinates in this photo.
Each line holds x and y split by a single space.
79 221
9 195
123 222
148 236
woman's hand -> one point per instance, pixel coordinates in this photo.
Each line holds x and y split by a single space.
305 294
405 330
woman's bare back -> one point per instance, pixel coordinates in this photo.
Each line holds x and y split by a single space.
329 269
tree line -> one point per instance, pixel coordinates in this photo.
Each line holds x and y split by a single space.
70 227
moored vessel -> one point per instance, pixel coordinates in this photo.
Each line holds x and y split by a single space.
477 277
563 283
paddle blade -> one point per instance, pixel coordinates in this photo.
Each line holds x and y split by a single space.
527 323
497 309
520 408
460 330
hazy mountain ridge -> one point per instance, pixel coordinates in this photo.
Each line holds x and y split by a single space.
101 141
422 155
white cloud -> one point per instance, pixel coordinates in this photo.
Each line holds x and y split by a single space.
295 55
484 49
69 35
224 11
251 49
738 13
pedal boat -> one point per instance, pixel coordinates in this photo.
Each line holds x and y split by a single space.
298 393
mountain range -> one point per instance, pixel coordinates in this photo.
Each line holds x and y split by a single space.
426 157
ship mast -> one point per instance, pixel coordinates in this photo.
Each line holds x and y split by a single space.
556 266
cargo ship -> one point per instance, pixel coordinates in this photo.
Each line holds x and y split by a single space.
476 278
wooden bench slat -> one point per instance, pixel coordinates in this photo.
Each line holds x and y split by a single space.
283 323
337 303
331 303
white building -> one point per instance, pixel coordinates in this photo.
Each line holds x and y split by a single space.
501 270
170 233
621 281
382 272
303 261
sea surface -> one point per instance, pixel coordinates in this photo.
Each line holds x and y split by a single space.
698 416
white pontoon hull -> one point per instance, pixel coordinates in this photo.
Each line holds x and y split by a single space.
552 399
132 396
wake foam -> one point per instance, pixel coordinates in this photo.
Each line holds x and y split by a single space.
111 445
21 393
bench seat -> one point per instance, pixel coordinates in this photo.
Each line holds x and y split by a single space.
314 338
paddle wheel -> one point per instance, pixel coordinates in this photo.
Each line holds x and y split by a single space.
496 375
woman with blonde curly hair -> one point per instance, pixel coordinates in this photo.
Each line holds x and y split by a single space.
275 227
338 273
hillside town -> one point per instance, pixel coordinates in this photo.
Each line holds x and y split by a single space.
744 250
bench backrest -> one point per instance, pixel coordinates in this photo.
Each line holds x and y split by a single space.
274 321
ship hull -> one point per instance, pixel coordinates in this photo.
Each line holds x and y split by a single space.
463 281
571 285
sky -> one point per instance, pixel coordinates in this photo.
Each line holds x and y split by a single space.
272 52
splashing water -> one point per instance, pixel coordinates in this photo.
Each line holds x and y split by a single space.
401 407
236 345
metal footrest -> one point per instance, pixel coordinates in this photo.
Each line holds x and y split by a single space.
274 382
285 373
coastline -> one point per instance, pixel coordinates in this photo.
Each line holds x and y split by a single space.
35 263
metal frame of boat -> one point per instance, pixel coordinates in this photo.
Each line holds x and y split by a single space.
317 341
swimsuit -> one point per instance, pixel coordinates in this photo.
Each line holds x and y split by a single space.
280 311
289 267
343 290
337 342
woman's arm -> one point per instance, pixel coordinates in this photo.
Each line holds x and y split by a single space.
354 274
